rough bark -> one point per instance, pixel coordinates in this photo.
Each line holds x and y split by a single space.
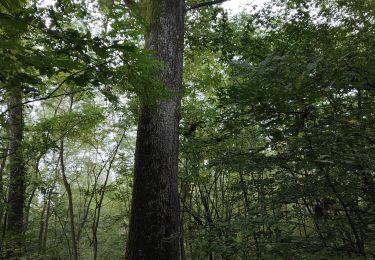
154 224
16 195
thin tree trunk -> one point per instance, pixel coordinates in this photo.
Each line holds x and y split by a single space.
16 195
27 209
46 223
95 238
2 196
41 225
182 242
247 208
154 223
31 197
99 202
70 201
63 228
87 209
183 195
358 239
4 227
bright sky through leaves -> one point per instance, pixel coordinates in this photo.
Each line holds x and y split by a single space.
236 6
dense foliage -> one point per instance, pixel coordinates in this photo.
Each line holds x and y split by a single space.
277 131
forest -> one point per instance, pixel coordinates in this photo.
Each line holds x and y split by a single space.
178 129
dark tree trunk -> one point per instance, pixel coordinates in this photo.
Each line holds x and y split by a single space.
154 224
16 197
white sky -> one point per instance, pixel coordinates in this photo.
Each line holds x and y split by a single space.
236 6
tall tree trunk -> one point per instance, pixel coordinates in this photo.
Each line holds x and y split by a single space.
154 224
16 195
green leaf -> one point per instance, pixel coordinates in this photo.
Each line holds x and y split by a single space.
10 45
67 64
124 47
108 94
12 5
12 25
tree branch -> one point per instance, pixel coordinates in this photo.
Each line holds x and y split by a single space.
204 4
52 93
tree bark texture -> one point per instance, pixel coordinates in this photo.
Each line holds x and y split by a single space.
154 231
16 195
